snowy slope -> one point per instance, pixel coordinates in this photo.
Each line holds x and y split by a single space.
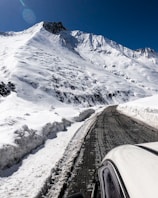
56 77
137 68
75 67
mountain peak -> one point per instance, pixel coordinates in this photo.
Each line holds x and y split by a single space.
54 27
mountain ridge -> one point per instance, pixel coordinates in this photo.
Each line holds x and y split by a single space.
86 58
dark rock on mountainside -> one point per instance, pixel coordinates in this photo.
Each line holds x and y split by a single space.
54 27
148 52
5 89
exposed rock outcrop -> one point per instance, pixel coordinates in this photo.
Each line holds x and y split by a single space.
54 27
5 89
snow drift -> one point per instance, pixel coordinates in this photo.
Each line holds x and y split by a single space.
145 109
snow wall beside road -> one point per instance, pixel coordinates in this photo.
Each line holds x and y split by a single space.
145 110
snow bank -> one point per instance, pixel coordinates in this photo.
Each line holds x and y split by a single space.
22 131
145 109
37 168
28 139
26 179
83 115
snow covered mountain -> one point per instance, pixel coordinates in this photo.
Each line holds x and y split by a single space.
75 67
52 73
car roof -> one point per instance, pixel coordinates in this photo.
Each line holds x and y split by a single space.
151 145
138 168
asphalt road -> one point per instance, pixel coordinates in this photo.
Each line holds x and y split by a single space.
110 130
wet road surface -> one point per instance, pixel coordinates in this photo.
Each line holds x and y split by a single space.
111 129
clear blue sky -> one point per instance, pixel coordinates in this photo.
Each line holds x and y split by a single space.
132 23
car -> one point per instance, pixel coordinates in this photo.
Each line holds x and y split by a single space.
130 171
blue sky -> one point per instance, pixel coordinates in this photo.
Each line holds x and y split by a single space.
132 23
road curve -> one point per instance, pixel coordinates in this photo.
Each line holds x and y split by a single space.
110 130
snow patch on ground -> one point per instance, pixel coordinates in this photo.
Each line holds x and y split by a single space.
145 109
